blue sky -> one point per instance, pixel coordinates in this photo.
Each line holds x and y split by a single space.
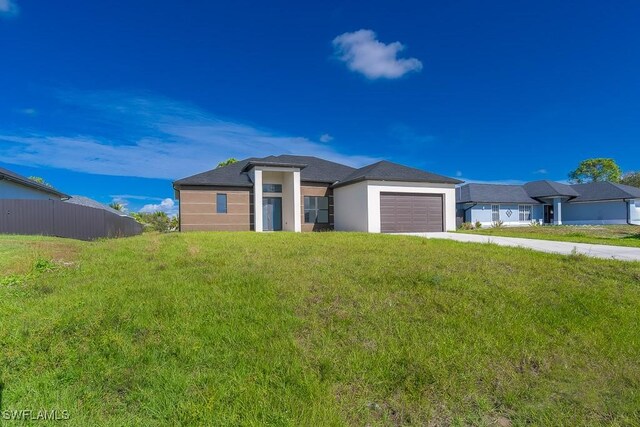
114 100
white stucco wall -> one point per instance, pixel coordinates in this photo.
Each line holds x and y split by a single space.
290 180
350 208
12 190
357 206
376 187
634 212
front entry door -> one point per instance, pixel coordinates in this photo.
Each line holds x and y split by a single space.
272 213
548 214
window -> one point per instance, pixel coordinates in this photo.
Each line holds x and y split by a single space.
272 188
495 213
525 213
316 210
221 203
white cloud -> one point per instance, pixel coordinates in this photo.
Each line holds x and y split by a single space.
363 53
541 172
8 8
167 206
150 137
325 137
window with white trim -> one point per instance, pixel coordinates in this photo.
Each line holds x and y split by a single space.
525 213
495 213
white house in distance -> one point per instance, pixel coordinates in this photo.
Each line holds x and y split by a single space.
549 202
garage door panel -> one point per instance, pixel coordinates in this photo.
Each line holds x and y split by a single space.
411 212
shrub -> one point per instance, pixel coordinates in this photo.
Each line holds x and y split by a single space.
497 224
535 223
156 221
44 265
478 224
466 226
11 280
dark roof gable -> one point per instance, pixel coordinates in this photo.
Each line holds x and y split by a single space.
493 193
313 169
594 191
389 171
547 188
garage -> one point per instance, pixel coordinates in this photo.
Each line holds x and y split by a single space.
411 212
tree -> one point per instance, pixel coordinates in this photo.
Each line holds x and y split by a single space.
174 223
596 170
156 221
40 180
117 206
631 178
229 161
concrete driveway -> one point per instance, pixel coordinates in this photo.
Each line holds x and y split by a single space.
566 248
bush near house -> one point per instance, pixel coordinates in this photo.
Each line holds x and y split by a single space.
317 329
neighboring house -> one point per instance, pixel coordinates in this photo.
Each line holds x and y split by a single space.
301 193
28 207
15 186
549 202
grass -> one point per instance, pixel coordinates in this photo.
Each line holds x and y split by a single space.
319 329
617 235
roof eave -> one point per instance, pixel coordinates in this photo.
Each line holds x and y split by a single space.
177 185
35 185
422 181
251 165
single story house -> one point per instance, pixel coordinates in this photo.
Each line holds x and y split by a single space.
549 202
28 207
302 193
16 186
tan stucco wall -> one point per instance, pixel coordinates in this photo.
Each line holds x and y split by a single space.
198 210
323 190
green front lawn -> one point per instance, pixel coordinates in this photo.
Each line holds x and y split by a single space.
618 235
319 329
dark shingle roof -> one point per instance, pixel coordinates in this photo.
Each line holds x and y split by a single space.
388 171
12 176
230 175
85 201
313 169
547 188
317 170
528 193
493 193
595 191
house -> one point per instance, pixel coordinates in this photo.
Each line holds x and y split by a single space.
15 186
28 207
303 193
549 202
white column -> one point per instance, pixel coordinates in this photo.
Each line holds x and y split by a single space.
297 201
557 211
257 199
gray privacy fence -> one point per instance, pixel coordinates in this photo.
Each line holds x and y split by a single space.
62 219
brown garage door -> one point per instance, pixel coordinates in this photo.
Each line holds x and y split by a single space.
410 212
